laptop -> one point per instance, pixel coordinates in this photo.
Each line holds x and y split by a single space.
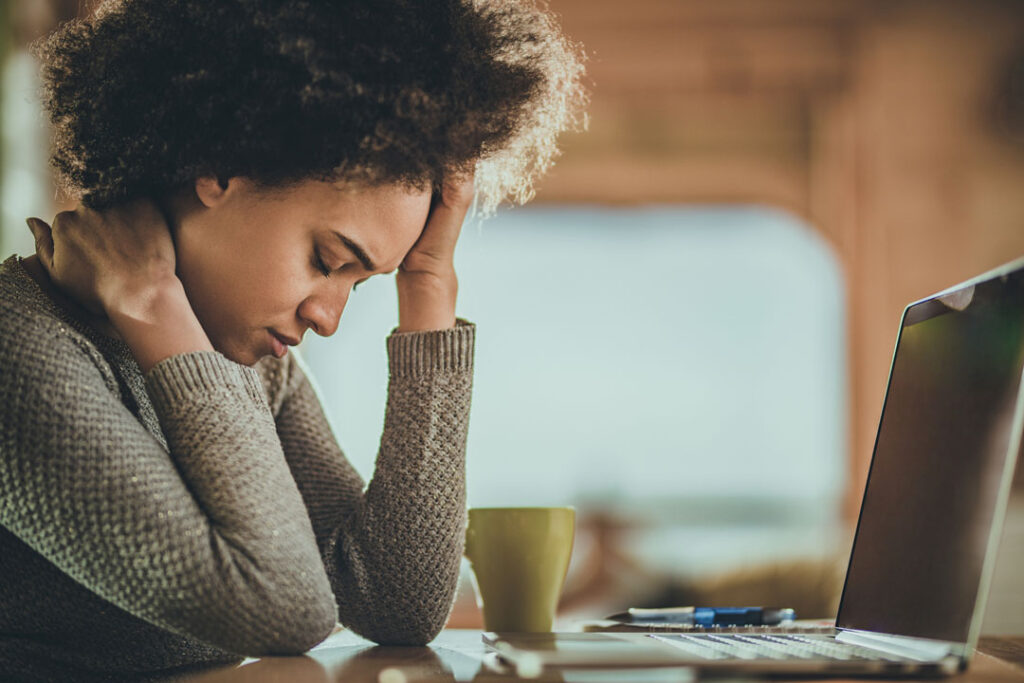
929 525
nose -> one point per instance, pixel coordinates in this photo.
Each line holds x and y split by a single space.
322 310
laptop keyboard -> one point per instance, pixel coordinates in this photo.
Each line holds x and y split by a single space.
771 646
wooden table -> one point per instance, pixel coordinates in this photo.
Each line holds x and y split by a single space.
459 655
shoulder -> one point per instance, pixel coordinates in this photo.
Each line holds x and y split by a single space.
37 343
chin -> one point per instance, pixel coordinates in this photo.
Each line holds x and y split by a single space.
249 359
240 356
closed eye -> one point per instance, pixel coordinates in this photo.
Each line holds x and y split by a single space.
318 263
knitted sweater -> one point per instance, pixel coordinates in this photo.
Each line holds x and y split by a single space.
204 511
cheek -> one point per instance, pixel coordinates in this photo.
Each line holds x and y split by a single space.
280 279
268 286
251 266
208 254
238 283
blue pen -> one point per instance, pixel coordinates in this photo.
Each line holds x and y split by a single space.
707 616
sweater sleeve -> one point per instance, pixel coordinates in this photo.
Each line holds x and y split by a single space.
392 551
209 540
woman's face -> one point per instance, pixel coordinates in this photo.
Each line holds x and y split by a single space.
251 259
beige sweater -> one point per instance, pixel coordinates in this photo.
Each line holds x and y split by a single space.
203 511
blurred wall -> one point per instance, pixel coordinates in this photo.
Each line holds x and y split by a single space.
896 128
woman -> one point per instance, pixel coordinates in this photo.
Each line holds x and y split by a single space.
170 492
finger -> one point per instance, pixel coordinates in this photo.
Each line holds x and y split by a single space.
458 191
446 218
44 240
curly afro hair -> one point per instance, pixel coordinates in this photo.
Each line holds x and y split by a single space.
147 95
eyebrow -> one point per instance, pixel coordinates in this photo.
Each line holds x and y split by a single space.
355 249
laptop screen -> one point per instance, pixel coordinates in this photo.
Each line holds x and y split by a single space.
938 464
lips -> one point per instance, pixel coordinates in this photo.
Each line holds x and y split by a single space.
289 341
279 344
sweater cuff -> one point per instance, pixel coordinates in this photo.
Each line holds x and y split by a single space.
180 377
413 354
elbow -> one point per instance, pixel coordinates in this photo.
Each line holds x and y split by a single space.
292 641
284 634
406 637
399 636
409 611
397 627
283 626
257 600
292 628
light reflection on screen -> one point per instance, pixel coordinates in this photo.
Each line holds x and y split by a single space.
939 458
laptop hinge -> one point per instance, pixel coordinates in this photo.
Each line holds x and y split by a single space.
904 646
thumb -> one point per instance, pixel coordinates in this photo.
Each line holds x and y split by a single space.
44 240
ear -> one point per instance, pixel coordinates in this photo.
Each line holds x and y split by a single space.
212 190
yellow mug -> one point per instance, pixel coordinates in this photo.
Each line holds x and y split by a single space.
519 557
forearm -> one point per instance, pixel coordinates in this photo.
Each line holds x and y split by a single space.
253 547
202 533
158 324
396 566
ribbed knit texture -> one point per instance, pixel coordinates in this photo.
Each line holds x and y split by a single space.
204 511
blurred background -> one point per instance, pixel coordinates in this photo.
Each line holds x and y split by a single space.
688 334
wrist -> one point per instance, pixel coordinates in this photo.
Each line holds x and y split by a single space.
426 301
142 300
158 322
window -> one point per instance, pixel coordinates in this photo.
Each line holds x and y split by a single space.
684 364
